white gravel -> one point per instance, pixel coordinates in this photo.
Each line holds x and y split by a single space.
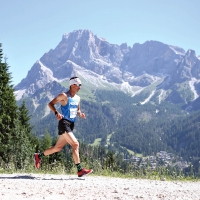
37 186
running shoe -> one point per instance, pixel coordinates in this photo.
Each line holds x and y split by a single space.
37 160
84 172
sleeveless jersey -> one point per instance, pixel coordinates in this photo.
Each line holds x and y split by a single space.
69 111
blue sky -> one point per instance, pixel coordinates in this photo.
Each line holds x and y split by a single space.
30 28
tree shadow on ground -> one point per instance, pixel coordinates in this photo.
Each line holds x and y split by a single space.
38 178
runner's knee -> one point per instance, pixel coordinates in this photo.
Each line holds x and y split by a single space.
75 145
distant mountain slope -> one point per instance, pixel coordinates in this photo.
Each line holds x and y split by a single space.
173 73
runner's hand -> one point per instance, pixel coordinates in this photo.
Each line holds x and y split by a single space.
59 116
82 115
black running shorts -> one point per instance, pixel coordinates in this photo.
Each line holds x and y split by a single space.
65 125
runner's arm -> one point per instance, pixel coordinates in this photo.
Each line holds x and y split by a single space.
80 114
60 98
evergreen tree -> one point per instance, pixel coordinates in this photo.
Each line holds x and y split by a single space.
46 143
22 148
24 117
23 144
8 111
110 161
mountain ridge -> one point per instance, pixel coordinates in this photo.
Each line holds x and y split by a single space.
131 69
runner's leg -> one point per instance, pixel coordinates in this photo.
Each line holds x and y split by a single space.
61 142
71 139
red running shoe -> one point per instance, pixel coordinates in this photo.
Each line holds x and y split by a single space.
37 160
84 172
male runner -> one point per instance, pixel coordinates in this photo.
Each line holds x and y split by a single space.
70 107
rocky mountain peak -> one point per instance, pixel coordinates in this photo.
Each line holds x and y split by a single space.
136 67
191 53
39 76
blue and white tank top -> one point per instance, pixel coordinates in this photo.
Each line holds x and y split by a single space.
69 111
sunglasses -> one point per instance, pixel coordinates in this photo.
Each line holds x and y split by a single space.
79 85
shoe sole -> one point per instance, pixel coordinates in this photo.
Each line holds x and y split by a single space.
86 174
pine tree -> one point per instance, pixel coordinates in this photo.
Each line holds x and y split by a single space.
110 161
46 143
22 148
23 145
8 111
24 117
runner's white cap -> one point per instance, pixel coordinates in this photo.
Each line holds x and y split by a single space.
75 80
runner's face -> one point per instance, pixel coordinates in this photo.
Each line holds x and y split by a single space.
77 87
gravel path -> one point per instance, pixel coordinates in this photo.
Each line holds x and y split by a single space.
36 186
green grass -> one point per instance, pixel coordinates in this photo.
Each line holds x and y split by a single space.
97 142
109 136
99 171
135 154
137 174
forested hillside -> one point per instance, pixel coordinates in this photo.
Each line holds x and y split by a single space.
145 129
122 126
184 137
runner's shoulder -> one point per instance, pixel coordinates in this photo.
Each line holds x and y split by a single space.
62 95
